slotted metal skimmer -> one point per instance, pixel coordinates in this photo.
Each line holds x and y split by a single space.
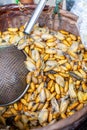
12 75
12 69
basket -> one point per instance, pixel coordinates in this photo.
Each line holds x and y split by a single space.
14 16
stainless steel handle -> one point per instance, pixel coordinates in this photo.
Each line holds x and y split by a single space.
35 16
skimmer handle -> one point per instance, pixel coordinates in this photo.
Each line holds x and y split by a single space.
35 16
